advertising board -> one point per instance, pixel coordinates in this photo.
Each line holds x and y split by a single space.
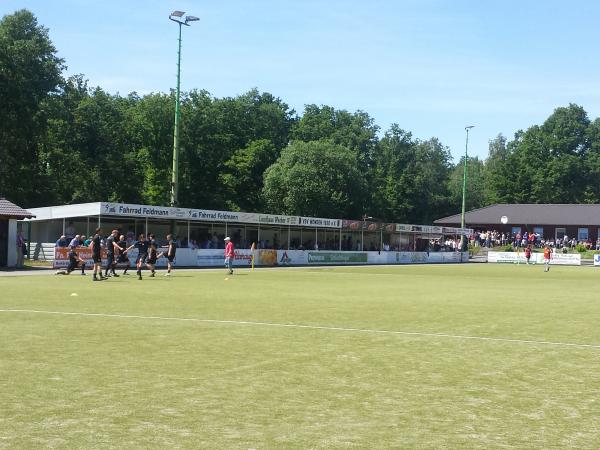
186 257
558 259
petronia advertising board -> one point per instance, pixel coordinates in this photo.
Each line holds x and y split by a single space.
558 259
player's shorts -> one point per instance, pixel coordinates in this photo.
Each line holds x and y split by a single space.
151 260
110 258
546 261
171 258
96 258
142 257
73 266
122 258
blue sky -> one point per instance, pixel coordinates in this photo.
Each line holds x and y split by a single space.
431 66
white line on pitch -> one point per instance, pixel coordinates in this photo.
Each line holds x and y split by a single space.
309 327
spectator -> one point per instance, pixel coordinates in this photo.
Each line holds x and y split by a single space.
21 250
70 231
75 242
62 242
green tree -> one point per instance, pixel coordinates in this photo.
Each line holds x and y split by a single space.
148 147
317 178
592 163
498 172
356 131
243 175
410 178
30 72
60 154
214 130
475 189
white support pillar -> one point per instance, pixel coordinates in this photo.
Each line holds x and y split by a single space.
11 257
63 228
188 234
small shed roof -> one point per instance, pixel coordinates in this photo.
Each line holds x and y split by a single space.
530 214
9 209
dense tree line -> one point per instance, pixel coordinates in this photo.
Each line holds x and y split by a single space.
62 141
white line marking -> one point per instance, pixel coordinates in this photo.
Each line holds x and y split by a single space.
309 327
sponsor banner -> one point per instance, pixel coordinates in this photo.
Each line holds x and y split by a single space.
507 257
272 219
568 259
337 257
302 257
266 257
597 260
558 259
216 257
165 212
319 222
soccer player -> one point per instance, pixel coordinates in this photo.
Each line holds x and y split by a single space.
111 247
528 253
142 245
75 261
170 254
96 247
152 254
123 257
547 258
229 254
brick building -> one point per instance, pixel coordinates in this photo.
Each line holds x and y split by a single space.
551 221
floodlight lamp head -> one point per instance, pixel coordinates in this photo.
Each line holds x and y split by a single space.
468 127
177 14
191 19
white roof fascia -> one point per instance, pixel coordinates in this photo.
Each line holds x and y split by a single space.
66 211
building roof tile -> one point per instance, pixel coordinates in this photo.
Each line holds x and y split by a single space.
9 209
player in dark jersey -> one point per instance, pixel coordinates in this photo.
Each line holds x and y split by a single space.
111 249
142 246
96 246
170 254
123 258
152 254
75 262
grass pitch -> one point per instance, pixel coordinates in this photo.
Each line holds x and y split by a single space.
132 377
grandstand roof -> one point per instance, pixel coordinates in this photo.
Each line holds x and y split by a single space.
529 214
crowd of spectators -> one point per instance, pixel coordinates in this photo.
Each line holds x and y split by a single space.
493 238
